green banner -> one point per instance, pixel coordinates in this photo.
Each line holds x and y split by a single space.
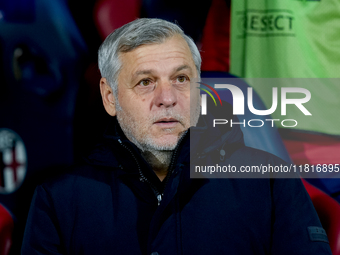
291 39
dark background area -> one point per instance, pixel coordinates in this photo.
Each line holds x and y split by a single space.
49 87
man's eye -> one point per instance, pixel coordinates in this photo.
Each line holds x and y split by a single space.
181 79
144 82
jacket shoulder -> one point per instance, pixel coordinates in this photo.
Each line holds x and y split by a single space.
78 177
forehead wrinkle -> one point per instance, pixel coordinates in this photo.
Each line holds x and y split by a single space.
142 55
156 53
182 67
165 55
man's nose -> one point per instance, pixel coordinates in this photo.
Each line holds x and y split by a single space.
165 94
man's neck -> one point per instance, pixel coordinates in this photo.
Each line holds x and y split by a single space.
159 161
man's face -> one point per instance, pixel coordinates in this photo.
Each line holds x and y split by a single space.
154 94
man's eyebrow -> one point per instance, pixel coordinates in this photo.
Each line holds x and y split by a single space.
141 72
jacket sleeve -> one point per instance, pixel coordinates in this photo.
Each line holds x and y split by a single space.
296 226
41 233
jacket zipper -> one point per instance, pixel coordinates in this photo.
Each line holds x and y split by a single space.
171 167
142 178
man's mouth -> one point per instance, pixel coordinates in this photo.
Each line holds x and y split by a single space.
166 122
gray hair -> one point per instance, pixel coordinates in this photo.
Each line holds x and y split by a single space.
132 35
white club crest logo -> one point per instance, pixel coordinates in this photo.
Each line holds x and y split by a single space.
13 161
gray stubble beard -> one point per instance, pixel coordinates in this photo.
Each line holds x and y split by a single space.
152 152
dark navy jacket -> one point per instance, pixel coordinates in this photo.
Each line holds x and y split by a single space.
109 205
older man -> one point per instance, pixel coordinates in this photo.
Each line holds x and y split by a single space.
134 195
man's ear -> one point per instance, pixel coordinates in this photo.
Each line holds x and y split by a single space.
108 98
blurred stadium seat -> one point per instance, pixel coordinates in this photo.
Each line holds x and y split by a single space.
41 56
6 230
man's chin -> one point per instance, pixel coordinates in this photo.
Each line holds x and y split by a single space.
166 142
